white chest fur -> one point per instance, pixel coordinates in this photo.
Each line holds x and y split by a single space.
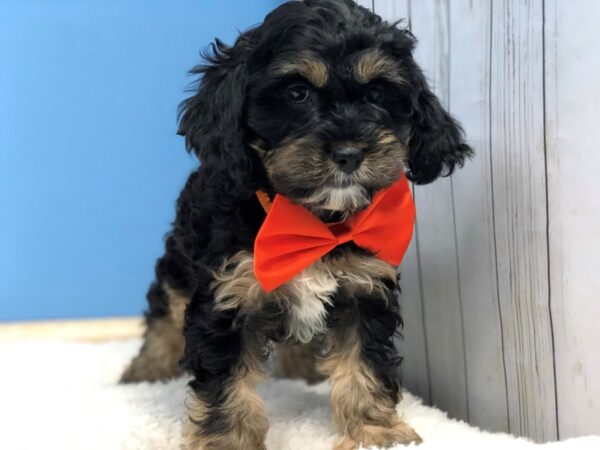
307 295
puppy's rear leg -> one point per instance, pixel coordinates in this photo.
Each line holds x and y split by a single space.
163 340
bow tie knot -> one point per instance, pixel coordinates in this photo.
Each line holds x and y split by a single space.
341 232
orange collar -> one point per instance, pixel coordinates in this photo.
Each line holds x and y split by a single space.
291 238
265 200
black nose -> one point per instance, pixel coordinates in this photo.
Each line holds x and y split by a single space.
347 158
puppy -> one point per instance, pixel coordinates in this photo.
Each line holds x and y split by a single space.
324 104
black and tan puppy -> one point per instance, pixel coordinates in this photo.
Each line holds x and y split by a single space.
322 103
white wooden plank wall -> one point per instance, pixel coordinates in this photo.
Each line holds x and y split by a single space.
470 77
437 234
500 296
519 193
572 57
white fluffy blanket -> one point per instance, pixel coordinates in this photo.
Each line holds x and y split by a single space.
63 396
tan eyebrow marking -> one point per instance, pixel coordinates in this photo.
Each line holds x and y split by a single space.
311 68
373 64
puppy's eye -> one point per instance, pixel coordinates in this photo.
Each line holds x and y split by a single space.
375 94
299 93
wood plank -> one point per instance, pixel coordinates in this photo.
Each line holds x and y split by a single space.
470 41
572 111
519 193
414 346
436 234
73 330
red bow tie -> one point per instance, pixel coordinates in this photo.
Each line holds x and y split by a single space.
291 238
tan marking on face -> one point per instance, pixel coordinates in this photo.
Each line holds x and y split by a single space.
163 344
299 158
299 162
310 67
302 162
244 410
364 412
387 139
373 64
385 162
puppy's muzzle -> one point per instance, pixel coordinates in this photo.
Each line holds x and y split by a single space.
347 157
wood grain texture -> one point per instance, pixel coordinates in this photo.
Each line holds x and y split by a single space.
470 39
572 40
436 237
520 219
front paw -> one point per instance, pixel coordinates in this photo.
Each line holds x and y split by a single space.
373 435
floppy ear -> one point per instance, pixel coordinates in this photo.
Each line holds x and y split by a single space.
212 121
436 142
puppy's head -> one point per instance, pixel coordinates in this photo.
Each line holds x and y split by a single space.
324 104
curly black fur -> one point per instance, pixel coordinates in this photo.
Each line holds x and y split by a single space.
238 122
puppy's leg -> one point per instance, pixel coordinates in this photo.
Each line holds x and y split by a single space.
362 365
225 412
163 340
227 328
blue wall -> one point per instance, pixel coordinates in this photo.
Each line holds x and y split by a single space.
90 165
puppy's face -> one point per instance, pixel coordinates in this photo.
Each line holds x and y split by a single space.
331 131
325 99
